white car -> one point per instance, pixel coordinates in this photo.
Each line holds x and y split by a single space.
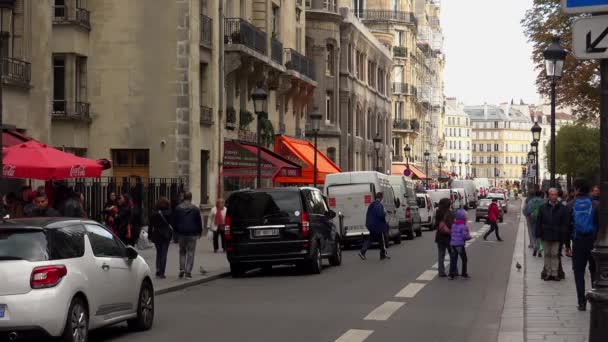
426 210
64 277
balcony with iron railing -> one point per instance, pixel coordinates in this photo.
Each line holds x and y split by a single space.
388 15
206 31
276 50
240 32
400 51
300 63
206 116
16 72
65 15
71 110
400 88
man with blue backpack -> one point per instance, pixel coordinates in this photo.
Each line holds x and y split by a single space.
583 233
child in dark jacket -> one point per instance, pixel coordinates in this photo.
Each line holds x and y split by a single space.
460 234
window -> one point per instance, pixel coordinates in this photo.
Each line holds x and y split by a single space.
495 135
489 147
81 79
330 5
495 124
329 106
474 147
59 105
396 5
480 147
331 153
205 176
460 145
496 147
104 244
60 9
275 21
489 160
400 38
398 110
459 131
35 245
495 160
349 58
329 60
358 6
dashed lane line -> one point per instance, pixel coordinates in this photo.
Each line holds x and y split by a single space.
410 290
427 275
384 311
355 335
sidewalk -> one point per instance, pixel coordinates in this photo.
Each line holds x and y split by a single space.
537 310
215 264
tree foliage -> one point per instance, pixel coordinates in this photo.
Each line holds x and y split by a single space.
578 88
578 151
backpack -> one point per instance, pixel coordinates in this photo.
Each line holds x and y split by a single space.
583 217
534 207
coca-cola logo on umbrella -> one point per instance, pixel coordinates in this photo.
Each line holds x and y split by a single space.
9 170
78 171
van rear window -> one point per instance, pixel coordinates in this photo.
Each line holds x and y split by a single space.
255 206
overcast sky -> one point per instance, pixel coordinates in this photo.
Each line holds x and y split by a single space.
488 58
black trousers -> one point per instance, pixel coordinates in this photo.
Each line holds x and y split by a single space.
217 236
581 257
380 237
493 228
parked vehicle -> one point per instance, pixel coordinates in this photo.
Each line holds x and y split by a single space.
437 195
471 190
502 200
481 212
350 193
291 226
460 198
482 185
63 277
427 210
410 222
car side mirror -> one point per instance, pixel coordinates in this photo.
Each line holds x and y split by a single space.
330 214
131 253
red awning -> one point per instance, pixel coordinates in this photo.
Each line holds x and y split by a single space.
397 169
240 160
11 137
35 160
302 152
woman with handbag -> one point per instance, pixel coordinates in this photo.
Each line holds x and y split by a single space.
444 219
216 223
160 232
123 219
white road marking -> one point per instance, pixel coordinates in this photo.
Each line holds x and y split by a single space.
384 311
427 275
355 335
410 290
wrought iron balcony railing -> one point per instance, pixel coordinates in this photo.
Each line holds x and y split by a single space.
64 14
16 71
240 31
298 62
71 110
400 51
400 88
388 15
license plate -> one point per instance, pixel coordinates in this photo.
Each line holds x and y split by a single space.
265 232
1 311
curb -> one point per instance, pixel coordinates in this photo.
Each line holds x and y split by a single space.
188 284
512 321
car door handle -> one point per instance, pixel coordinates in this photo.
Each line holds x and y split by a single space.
105 267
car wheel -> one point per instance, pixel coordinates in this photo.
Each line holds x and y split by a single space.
145 309
336 258
236 270
419 232
397 239
315 264
77 324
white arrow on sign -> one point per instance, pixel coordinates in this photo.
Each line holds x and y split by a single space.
589 37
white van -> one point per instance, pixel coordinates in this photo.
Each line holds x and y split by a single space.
482 183
409 216
439 194
472 191
427 210
350 193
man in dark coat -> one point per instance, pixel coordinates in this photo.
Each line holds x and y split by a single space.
188 226
375 222
41 207
553 227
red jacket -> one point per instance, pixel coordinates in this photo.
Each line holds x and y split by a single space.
493 212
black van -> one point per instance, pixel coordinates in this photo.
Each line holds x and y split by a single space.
280 226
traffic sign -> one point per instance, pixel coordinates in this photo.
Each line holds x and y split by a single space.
584 6
590 37
407 172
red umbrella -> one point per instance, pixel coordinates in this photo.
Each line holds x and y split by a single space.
35 160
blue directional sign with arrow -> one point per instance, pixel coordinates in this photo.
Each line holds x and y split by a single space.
585 6
590 37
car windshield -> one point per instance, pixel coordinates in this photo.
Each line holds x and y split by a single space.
484 203
39 245
257 206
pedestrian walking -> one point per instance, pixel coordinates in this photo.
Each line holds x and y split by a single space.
459 236
41 207
160 232
443 221
72 206
216 222
375 221
493 214
123 219
553 227
188 226
531 211
110 212
583 232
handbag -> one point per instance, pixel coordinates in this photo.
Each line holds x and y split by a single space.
168 225
443 228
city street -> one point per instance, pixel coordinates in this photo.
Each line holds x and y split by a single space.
349 302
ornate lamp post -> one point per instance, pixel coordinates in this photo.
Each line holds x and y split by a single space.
259 97
427 158
440 162
466 166
453 160
496 172
534 149
407 150
555 56
377 145
315 119
460 168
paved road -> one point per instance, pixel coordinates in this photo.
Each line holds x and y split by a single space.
345 303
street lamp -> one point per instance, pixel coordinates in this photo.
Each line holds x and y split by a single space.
466 166
4 34
315 120
377 145
555 56
408 154
531 158
259 97
534 149
453 160
427 158
495 172
440 162
460 168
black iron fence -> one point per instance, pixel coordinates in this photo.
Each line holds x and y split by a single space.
382 15
240 31
77 110
16 71
143 191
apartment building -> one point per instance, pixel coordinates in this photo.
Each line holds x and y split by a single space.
140 82
501 140
353 92
458 139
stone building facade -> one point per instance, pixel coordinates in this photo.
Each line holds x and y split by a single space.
457 132
353 94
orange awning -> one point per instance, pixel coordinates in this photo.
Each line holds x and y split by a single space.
302 152
397 169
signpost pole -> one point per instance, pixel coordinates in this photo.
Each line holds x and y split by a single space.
598 296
